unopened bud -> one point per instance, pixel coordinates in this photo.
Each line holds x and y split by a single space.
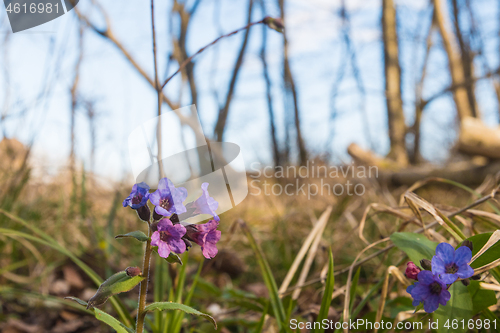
476 277
156 216
153 227
144 213
133 271
465 282
412 271
467 243
174 218
274 23
188 243
426 264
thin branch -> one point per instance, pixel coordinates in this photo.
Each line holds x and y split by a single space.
188 60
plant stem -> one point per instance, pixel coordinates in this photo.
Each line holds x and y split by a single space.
144 286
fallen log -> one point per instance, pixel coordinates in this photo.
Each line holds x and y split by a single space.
470 172
475 138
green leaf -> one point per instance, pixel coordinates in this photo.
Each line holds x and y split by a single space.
117 283
416 246
104 317
354 286
172 258
139 235
327 294
160 306
76 299
492 254
458 308
481 298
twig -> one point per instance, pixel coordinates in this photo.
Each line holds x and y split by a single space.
188 60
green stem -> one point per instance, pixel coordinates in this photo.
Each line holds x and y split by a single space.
141 314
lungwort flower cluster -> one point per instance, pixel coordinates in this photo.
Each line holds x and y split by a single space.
170 234
446 267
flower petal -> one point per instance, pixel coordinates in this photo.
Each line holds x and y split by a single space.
155 238
444 297
155 198
425 277
213 236
463 255
446 252
176 231
420 292
164 224
431 303
465 271
209 250
163 249
177 245
162 211
437 265
448 278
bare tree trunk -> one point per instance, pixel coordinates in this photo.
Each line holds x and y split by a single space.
397 126
460 95
180 52
416 156
467 57
276 151
224 112
291 89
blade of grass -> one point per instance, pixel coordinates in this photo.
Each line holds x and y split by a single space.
327 294
276 303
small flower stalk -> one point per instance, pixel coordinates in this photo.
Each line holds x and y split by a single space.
445 268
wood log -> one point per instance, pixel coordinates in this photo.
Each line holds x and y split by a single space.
471 172
476 138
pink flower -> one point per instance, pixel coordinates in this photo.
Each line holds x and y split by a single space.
168 238
412 271
205 235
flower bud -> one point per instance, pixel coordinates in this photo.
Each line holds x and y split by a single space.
465 282
153 227
467 243
476 277
426 264
133 271
174 218
274 23
412 271
156 216
144 213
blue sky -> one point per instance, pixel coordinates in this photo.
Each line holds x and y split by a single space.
37 68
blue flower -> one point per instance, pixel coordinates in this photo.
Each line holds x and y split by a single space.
138 197
205 204
450 264
168 199
430 290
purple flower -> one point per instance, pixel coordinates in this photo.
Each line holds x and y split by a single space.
168 238
412 271
138 197
168 199
205 204
450 264
205 235
430 290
